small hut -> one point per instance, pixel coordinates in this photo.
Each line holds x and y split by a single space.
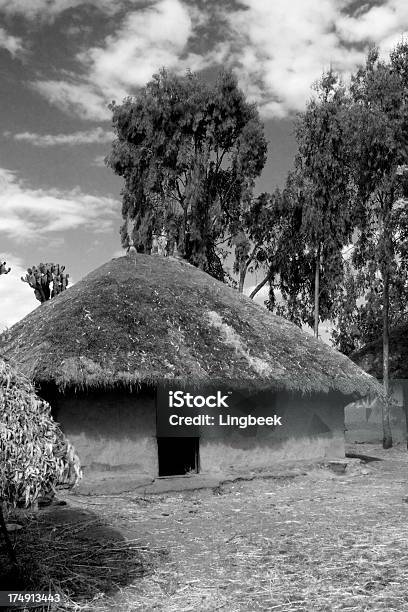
364 417
110 353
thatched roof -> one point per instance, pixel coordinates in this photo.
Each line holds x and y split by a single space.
149 319
370 357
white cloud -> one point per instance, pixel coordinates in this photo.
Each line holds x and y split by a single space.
97 135
50 9
13 44
280 51
29 214
16 298
77 98
277 49
375 24
146 40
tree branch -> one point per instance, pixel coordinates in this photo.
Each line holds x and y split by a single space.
222 241
261 284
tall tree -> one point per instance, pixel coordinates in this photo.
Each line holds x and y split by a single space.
322 193
378 122
316 211
189 154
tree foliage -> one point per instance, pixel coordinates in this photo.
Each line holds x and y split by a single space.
378 122
257 244
189 154
316 203
359 308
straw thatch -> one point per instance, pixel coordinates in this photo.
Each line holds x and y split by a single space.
141 320
35 456
370 357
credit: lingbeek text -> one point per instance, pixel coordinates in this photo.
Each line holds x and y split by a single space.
226 420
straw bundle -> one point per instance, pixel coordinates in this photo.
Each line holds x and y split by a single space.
34 454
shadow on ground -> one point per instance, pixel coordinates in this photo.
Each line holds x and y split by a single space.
363 458
73 552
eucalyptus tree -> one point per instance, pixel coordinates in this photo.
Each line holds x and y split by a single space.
315 211
323 194
189 154
378 134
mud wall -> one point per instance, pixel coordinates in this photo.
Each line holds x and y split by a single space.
312 428
111 430
118 431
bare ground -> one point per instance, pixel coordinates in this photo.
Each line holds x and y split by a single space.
317 542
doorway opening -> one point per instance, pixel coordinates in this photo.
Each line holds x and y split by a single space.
178 456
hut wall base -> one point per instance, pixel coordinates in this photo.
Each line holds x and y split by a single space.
112 431
221 458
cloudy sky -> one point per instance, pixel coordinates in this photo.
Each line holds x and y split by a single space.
63 61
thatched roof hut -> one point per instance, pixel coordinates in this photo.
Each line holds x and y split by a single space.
134 323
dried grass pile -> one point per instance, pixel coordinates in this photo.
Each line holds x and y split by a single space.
83 560
80 558
35 456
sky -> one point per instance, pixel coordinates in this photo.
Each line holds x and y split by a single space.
63 61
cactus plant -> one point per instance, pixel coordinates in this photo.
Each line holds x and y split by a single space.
42 276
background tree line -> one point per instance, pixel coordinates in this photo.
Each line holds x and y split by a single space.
190 154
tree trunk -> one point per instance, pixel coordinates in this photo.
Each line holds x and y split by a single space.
242 274
317 293
260 285
9 546
387 436
243 268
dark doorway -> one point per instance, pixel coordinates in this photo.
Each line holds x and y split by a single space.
177 456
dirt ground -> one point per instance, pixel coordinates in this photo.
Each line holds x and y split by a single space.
315 542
